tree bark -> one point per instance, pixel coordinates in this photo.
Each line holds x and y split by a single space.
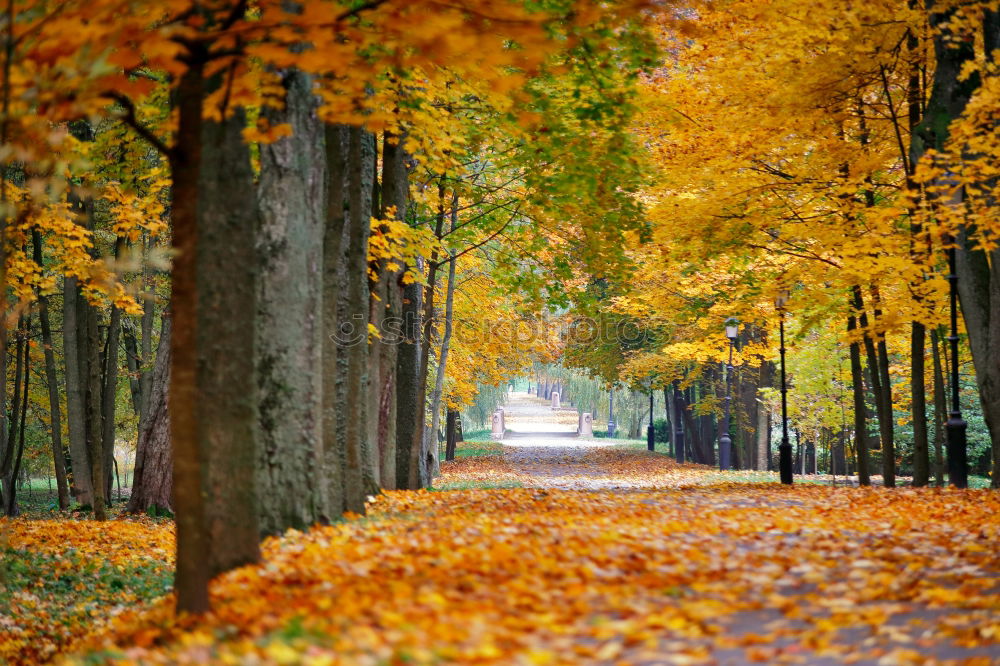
93 407
410 409
109 387
359 473
978 273
940 408
395 201
918 381
289 326
212 397
449 309
152 481
332 479
860 409
81 473
52 380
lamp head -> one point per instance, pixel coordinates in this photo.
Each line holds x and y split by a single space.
732 328
781 300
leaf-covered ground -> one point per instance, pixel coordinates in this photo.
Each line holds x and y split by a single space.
569 552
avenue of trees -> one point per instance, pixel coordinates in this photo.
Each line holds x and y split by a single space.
276 245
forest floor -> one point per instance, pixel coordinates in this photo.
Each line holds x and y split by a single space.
545 549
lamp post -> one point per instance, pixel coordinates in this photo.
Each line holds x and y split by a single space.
611 412
678 423
785 448
650 434
958 466
725 439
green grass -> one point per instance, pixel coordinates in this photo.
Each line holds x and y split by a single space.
481 435
476 485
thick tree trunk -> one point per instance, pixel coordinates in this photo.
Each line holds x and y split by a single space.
289 326
978 273
332 479
152 482
76 419
395 201
212 397
409 405
359 473
93 407
52 380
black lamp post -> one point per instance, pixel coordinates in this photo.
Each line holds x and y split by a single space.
678 419
725 439
958 466
785 448
611 412
650 434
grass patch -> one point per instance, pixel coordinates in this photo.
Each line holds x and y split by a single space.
50 598
475 485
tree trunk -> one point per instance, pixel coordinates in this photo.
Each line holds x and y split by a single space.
876 377
940 408
860 409
76 418
152 481
409 406
93 408
8 479
978 273
289 328
336 148
394 200
52 380
451 434
918 383
359 472
132 361
146 348
212 397
886 418
109 387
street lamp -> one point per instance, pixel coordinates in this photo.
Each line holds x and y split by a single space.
725 439
611 412
958 466
650 435
785 448
678 419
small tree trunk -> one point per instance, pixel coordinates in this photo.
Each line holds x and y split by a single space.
52 379
109 386
940 408
152 480
860 409
75 412
93 409
451 434
445 343
918 389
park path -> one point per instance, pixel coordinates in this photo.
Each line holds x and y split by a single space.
781 607
542 445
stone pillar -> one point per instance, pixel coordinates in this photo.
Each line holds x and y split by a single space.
498 424
555 400
586 427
